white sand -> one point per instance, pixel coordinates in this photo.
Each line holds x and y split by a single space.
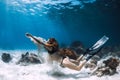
11 71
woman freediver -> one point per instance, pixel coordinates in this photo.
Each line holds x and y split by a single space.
65 57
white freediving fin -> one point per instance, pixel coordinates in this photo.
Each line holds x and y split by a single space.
99 43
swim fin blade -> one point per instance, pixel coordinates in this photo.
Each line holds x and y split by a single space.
99 43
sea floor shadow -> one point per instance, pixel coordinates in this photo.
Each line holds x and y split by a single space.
63 75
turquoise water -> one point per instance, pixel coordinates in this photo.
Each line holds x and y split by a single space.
66 20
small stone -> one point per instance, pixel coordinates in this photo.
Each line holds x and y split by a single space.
6 57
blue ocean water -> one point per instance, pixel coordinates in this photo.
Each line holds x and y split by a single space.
66 20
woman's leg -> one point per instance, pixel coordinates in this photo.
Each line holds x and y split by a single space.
67 63
76 61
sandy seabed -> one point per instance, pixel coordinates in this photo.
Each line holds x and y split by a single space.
11 71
